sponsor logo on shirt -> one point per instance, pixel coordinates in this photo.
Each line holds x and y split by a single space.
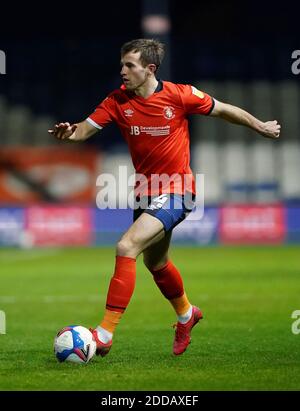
197 92
152 131
128 112
169 112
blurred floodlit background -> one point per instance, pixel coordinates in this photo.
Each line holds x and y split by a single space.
62 62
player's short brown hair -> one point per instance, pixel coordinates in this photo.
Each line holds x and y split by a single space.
152 51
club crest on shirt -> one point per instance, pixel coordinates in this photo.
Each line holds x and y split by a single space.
128 112
169 112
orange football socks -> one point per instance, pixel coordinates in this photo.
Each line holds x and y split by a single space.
169 281
111 320
181 305
120 291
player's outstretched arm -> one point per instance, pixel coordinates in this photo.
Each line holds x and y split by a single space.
236 115
74 132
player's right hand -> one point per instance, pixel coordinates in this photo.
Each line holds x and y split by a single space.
63 131
271 129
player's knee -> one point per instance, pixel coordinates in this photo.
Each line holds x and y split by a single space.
123 247
127 248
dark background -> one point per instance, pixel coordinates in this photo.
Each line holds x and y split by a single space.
63 58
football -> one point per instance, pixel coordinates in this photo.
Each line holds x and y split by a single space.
75 344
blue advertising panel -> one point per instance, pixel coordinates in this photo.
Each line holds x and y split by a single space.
293 223
109 224
11 226
201 230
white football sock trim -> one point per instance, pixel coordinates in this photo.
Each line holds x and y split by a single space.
184 318
104 335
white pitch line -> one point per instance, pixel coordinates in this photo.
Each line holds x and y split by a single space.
51 299
20 255
7 299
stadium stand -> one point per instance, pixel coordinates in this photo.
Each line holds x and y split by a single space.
238 165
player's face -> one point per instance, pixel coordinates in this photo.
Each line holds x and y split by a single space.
133 73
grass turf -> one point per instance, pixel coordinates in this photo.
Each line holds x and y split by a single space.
245 341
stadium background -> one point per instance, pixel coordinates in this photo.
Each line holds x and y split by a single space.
252 186
60 63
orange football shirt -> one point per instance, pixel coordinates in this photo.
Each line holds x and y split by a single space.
156 131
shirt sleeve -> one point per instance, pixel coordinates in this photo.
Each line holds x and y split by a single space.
196 101
103 115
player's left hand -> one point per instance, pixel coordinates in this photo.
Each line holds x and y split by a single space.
271 129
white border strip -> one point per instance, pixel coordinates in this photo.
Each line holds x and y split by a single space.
93 123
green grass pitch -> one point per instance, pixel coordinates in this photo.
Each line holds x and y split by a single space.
245 341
